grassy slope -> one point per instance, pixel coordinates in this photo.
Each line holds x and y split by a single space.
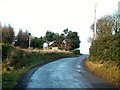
107 70
27 59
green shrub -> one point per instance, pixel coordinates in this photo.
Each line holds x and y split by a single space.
5 50
76 52
106 48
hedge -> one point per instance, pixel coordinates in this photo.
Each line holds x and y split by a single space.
106 48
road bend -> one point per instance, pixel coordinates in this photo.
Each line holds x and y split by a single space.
65 73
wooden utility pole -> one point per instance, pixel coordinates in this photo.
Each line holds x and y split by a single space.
0 26
119 16
94 30
0 33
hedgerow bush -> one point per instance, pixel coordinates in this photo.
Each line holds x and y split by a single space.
106 48
76 52
5 50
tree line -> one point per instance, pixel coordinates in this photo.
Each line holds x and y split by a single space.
106 45
68 40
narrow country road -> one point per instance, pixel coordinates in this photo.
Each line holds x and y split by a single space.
65 73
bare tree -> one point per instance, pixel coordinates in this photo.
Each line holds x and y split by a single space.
8 34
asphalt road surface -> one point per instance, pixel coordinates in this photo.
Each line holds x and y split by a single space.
65 73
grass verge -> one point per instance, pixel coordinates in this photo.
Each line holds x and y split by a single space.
19 61
108 70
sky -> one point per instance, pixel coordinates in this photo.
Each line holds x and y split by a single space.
38 16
